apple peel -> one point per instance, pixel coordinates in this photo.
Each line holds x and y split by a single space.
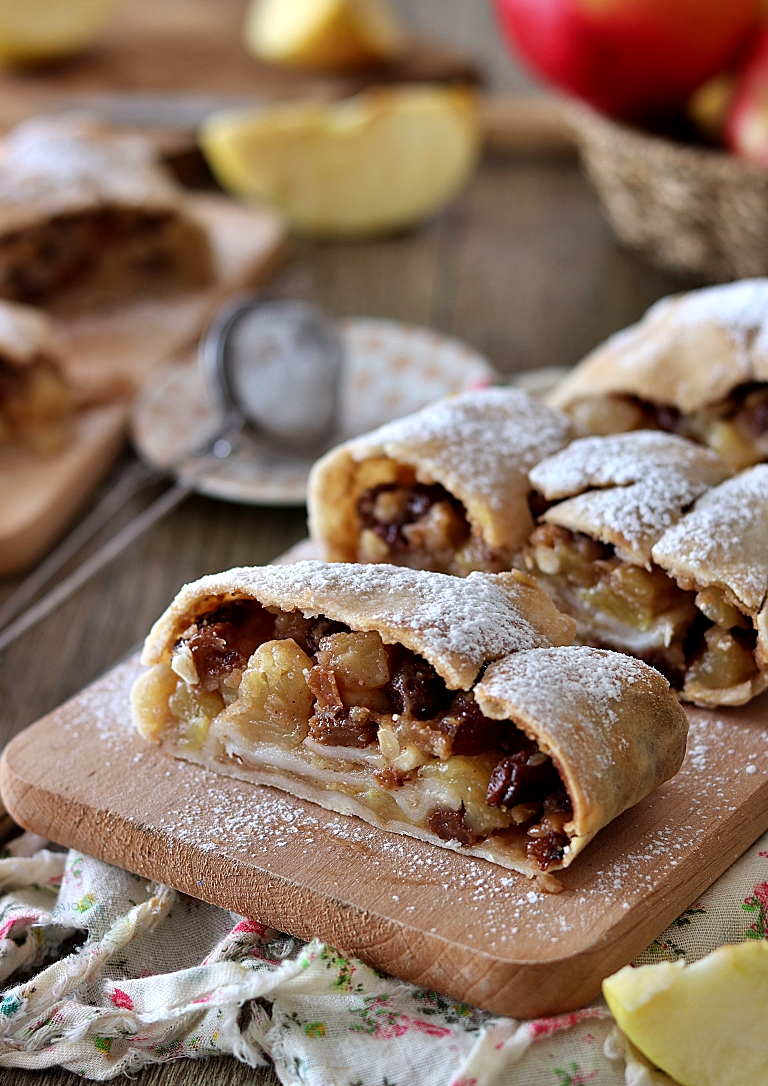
705 1024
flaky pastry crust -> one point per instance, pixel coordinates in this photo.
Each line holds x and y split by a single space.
610 724
479 446
458 625
626 489
688 351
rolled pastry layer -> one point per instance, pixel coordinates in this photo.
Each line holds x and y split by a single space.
622 549
357 687
35 401
445 489
696 364
88 217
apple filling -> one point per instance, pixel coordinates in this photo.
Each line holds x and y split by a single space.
107 254
736 428
423 527
35 406
694 638
310 703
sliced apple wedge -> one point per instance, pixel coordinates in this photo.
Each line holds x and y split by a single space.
704 1024
378 162
328 35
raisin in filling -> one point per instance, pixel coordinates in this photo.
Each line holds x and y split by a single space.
388 509
227 638
361 691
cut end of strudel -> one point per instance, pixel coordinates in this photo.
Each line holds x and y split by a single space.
695 365
655 551
451 710
89 218
35 401
445 489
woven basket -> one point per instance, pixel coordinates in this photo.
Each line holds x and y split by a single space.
688 209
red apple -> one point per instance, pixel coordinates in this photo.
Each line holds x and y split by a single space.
628 58
746 127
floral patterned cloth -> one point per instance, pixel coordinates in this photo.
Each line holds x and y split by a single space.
104 973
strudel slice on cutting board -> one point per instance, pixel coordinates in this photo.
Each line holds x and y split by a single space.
35 401
696 365
445 489
448 709
656 552
88 218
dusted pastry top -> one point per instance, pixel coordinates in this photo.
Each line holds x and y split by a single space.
689 350
609 723
478 447
58 165
457 624
626 489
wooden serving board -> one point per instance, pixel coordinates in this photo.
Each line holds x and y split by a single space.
81 776
108 355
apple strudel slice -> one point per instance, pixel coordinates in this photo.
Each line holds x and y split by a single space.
616 550
695 365
445 489
89 218
35 401
357 687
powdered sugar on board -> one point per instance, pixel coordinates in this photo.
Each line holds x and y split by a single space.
629 488
233 825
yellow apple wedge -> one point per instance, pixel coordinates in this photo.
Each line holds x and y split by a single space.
329 35
35 30
704 1024
381 161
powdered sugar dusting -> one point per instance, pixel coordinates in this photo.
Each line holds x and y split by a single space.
70 161
629 487
740 307
458 624
485 439
549 680
724 539
232 833
581 698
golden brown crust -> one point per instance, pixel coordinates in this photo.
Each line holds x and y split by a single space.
611 725
457 624
688 351
626 489
479 446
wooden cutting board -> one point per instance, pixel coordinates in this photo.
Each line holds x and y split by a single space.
477 932
108 354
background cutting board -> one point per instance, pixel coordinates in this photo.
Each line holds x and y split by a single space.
108 354
475 931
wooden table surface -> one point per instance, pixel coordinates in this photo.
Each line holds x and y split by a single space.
522 267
